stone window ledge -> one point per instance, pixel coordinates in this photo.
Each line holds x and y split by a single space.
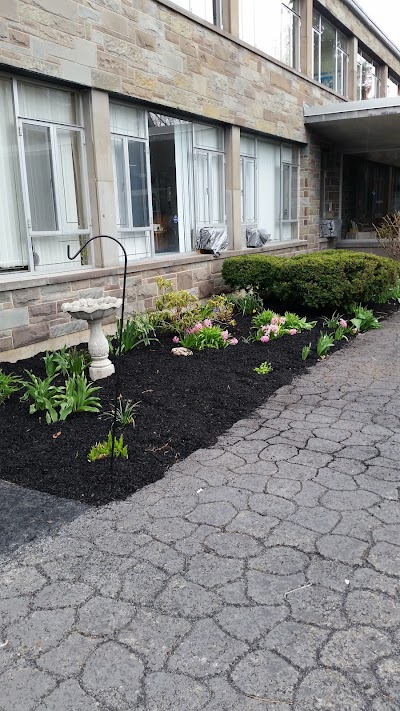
12 282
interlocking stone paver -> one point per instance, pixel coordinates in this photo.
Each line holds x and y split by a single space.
264 674
329 690
263 571
297 642
206 651
153 634
113 675
166 692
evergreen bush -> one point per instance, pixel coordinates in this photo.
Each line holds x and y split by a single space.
320 280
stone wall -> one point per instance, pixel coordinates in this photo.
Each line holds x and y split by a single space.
146 50
31 318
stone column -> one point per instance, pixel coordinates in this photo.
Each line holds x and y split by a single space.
352 77
101 177
306 46
230 16
232 181
383 76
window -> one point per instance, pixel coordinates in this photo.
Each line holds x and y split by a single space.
393 87
368 82
44 178
169 180
269 187
275 29
209 10
330 58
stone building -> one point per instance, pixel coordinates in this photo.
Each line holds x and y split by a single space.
149 120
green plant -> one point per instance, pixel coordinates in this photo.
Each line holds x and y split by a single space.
218 308
126 412
305 352
178 310
100 450
392 294
364 319
77 396
43 394
138 329
248 303
340 334
205 335
9 384
333 321
66 362
325 342
264 368
270 325
328 279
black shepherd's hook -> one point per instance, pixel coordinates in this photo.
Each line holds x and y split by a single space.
121 326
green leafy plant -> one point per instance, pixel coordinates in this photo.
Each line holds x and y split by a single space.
325 342
305 352
101 450
300 323
77 396
248 303
205 335
138 329
66 362
364 319
392 294
270 325
264 368
218 308
322 280
9 384
178 310
43 394
126 412
333 321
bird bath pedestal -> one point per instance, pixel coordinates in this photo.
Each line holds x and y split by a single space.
93 311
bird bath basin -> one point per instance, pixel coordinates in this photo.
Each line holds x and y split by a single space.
94 311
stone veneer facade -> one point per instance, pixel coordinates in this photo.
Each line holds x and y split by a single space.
156 54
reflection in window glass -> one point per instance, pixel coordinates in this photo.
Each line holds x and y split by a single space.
273 27
120 181
393 87
330 59
368 82
138 180
71 196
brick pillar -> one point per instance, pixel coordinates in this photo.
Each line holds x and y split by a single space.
101 176
306 46
232 187
352 80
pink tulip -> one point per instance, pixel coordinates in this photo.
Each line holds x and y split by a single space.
233 341
264 339
274 328
197 327
225 335
343 323
293 331
175 339
274 320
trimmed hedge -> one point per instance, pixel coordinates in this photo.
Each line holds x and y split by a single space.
329 279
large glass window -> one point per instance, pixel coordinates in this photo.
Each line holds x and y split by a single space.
273 27
368 82
209 10
269 187
393 87
169 180
330 58
45 207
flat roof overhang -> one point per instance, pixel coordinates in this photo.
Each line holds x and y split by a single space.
370 127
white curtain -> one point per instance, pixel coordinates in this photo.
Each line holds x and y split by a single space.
127 120
269 194
42 103
260 24
13 243
184 184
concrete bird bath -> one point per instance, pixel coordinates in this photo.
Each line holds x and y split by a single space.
93 311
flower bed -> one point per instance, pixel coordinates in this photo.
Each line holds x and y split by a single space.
184 405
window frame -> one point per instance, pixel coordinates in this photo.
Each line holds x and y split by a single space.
209 153
295 50
317 37
376 79
291 220
217 12
53 127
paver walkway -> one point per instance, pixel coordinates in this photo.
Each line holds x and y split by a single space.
260 574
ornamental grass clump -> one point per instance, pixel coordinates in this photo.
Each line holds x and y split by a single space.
9 384
205 334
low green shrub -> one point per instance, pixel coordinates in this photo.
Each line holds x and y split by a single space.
328 279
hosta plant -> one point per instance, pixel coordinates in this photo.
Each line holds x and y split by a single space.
77 396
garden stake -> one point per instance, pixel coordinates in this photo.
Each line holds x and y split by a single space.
117 368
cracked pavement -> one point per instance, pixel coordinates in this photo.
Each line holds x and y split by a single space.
262 573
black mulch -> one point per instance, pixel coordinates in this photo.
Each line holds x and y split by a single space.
185 404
